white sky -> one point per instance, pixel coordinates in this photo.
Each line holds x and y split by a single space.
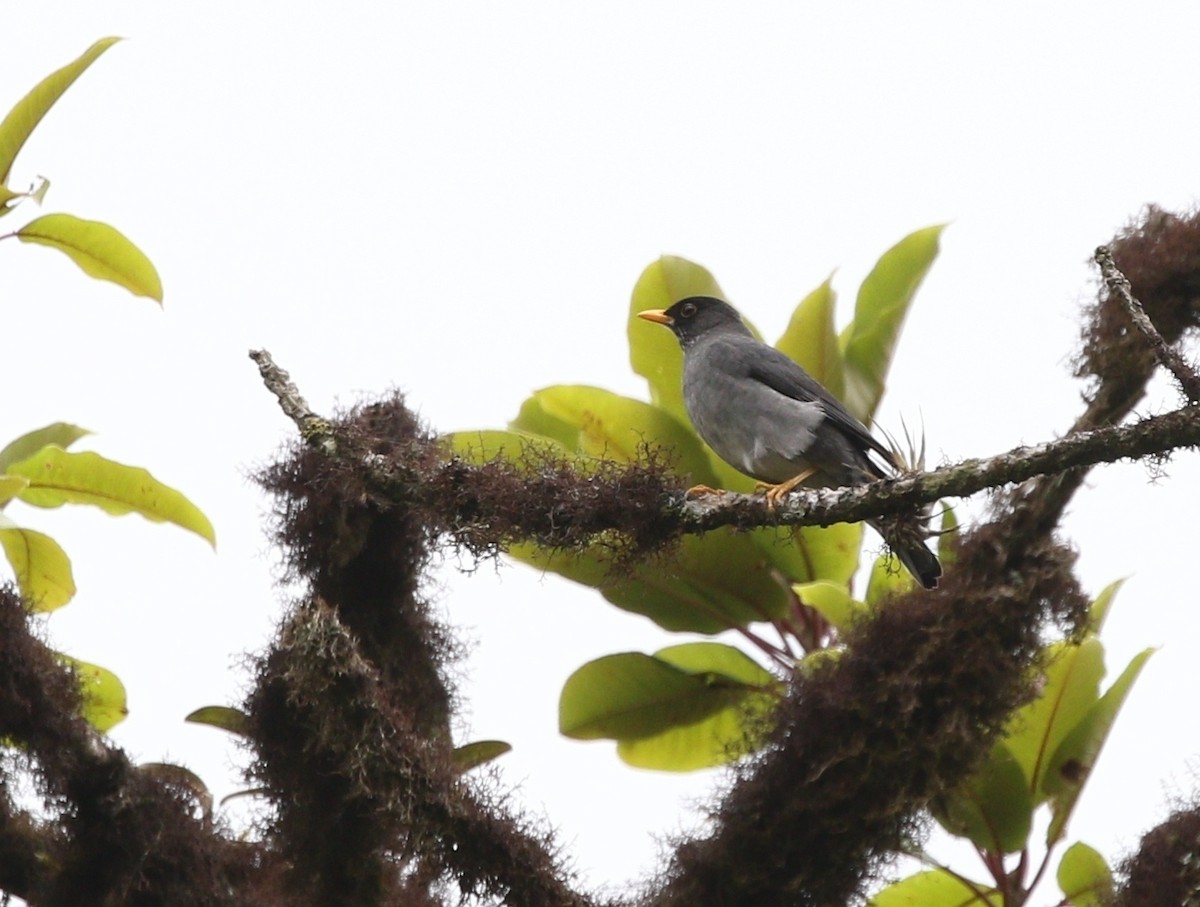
456 199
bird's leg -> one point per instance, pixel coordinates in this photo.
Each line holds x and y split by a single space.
776 492
700 490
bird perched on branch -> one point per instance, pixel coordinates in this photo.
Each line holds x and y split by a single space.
767 417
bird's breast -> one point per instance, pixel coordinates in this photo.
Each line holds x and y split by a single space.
752 427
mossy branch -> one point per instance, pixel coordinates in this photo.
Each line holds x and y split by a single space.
573 518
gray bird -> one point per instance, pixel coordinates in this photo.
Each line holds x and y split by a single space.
767 417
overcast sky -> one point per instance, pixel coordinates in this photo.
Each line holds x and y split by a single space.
456 199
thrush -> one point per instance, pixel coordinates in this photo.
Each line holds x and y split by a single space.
767 417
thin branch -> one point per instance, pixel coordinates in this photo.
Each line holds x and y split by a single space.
313 429
1153 436
1118 285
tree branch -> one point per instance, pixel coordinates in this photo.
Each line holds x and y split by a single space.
1118 285
1153 436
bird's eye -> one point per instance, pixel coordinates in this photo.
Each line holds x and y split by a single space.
687 310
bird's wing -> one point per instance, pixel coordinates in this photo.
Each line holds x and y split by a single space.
781 374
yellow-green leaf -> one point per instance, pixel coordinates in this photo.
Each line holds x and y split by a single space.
64 434
614 427
1084 877
42 568
947 542
887 578
1100 607
481 446
653 351
104 703
686 707
832 601
1074 758
473 755
883 302
10 487
630 695
720 738
993 809
101 251
811 339
714 658
1071 688
28 112
57 477
708 584
220 716
937 888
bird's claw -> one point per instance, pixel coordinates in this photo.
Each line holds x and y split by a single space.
776 493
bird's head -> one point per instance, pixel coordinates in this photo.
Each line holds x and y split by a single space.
694 317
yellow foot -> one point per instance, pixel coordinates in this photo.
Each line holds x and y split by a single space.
775 493
697 491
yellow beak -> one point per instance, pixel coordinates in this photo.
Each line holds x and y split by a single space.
658 316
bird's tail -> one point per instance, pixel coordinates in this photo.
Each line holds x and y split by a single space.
906 538
921 563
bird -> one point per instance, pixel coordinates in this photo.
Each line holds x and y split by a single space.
767 417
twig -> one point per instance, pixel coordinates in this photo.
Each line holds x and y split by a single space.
313 429
1118 285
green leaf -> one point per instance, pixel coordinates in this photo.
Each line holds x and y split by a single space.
723 737
57 477
42 568
993 809
1071 688
811 340
1084 877
28 112
1100 607
611 426
948 537
64 434
1074 758
714 658
729 731
937 888
104 703
480 752
223 717
100 251
534 421
653 351
10 487
832 601
707 584
883 301
479 447
887 578
629 695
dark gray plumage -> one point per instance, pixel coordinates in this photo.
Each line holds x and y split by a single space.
767 417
